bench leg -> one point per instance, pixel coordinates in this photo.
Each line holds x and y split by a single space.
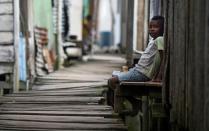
110 97
1 91
118 100
145 112
136 105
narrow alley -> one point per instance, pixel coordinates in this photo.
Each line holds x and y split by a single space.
60 63
69 99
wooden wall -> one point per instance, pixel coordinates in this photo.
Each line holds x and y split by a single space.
6 36
188 79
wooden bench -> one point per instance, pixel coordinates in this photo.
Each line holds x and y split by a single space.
149 94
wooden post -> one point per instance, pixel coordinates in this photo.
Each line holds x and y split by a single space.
16 43
118 100
129 42
140 30
1 90
60 51
146 21
31 37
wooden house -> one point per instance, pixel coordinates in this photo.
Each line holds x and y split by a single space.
8 44
28 42
187 87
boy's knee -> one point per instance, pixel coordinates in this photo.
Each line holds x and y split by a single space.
112 82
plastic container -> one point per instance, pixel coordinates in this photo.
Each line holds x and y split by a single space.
105 39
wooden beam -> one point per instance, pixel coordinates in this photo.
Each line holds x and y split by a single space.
6 54
6 1
129 42
140 29
6 68
6 38
6 9
60 49
6 22
16 43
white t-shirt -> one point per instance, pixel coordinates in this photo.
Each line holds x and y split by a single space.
149 62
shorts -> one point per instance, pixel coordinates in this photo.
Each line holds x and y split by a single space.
131 75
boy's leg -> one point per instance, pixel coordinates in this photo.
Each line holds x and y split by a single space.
110 93
112 82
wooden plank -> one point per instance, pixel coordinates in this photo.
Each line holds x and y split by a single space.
52 107
50 99
6 54
61 119
20 129
59 126
33 105
70 90
206 69
5 85
6 68
73 93
140 28
67 85
60 108
57 81
63 113
147 84
76 76
16 77
6 9
6 1
6 38
6 22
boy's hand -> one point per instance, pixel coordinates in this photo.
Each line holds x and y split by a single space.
156 80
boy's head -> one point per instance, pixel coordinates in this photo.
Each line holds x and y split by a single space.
156 26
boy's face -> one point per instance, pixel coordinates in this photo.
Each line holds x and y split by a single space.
154 28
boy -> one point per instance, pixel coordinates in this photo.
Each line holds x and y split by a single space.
149 66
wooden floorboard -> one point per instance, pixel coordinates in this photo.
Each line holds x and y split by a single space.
57 125
61 119
53 107
71 99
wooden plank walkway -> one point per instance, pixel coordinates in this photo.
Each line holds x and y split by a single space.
68 99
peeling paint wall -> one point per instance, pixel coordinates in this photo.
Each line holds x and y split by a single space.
43 18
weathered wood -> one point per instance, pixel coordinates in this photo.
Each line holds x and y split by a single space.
146 90
61 99
64 106
6 1
68 90
6 68
63 113
5 85
129 41
59 126
52 107
68 86
73 93
16 71
63 119
6 38
6 22
140 32
140 84
188 65
6 54
6 9
206 69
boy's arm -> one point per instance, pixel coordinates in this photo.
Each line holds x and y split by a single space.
158 76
